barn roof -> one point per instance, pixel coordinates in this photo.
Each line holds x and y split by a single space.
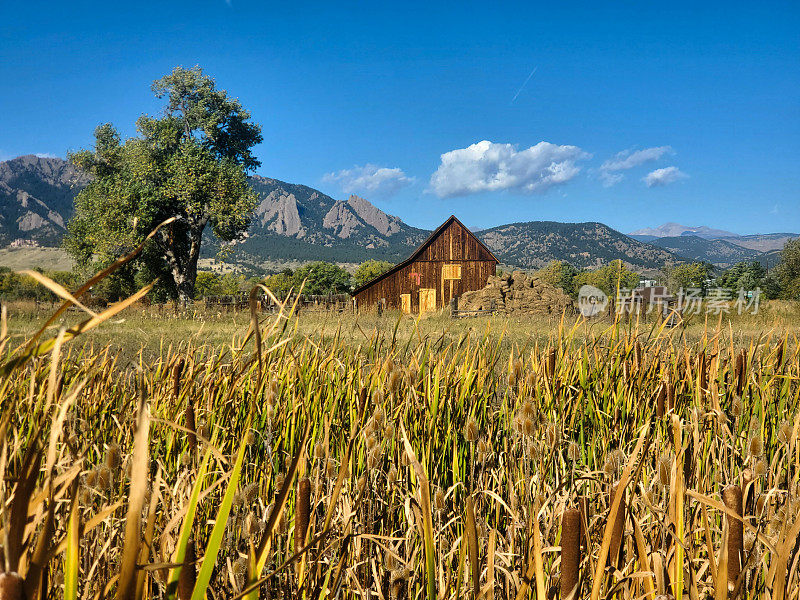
419 251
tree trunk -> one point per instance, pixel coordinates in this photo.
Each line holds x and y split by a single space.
182 250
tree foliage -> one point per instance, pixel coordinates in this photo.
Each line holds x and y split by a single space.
369 270
190 163
749 276
788 271
610 278
317 278
689 275
560 274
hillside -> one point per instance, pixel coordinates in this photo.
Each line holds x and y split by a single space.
676 229
722 253
36 199
297 222
534 244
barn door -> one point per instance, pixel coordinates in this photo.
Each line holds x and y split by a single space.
427 300
405 302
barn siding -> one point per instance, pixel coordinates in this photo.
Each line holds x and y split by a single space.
452 245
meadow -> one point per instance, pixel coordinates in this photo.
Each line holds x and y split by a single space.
240 455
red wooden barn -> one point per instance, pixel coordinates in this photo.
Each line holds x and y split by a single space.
450 262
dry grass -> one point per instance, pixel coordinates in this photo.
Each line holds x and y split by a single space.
432 459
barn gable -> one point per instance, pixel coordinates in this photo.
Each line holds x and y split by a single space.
451 261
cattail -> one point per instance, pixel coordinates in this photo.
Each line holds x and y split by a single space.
573 451
91 478
785 432
739 372
438 500
379 415
176 378
570 553
551 363
302 512
11 587
664 470
279 481
188 575
760 468
732 496
373 458
756 445
389 431
471 430
319 450
331 471
113 457
779 354
552 434
737 407
703 376
661 399
377 398
670 396
188 415
104 477
393 382
618 528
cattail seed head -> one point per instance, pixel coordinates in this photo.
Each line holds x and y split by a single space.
319 450
188 574
91 478
377 397
391 476
785 432
528 427
331 470
302 513
279 481
439 500
471 430
552 434
379 416
104 477
664 470
393 383
573 451
732 497
755 445
373 458
760 468
389 431
570 552
113 457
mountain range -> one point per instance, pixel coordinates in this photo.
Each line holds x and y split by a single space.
297 223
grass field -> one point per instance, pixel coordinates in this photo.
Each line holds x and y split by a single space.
49 259
363 457
155 328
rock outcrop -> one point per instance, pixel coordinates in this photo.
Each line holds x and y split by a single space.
517 293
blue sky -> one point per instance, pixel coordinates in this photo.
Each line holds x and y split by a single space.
628 113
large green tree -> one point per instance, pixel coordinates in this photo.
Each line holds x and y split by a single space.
369 270
789 270
190 163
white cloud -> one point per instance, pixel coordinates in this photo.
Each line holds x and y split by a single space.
370 180
45 155
489 167
610 178
628 159
665 176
